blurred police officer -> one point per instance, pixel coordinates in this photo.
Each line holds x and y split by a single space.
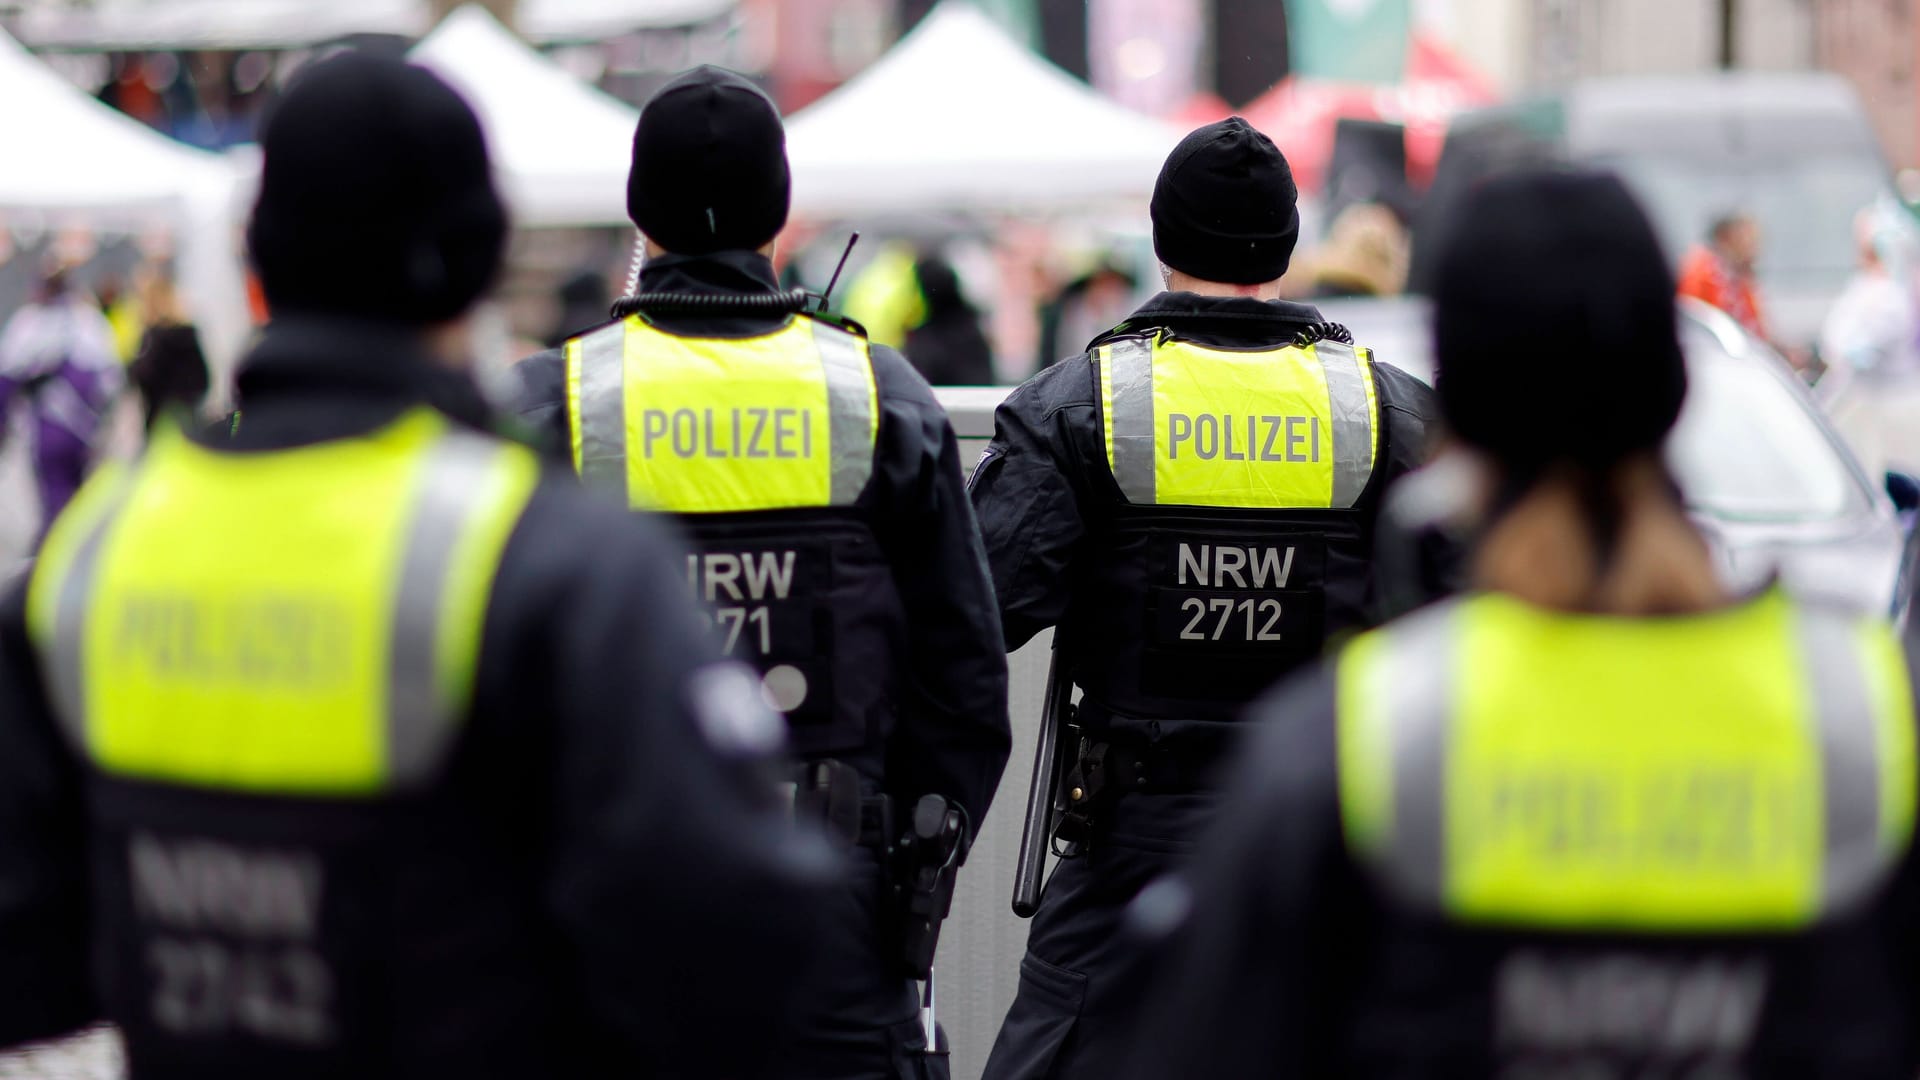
1191 503
821 485
1594 818
358 746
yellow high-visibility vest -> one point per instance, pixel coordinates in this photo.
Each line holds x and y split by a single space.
1750 769
713 425
1195 425
298 622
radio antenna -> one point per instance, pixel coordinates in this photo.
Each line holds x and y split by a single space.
835 279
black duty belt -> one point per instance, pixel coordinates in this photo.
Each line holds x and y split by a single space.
832 793
1107 768
1118 764
1142 767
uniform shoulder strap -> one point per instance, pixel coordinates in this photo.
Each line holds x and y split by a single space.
838 322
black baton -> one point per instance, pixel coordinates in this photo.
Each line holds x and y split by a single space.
1036 835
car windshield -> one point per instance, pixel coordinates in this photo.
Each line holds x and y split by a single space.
1747 449
1805 206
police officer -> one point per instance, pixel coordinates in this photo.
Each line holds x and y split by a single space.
1191 504
1595 817
359 746
834 545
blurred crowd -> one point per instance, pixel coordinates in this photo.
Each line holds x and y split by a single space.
87 341
86 366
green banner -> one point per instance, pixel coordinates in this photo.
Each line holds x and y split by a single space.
1017 16
1350 40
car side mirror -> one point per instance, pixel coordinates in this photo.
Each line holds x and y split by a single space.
1904 490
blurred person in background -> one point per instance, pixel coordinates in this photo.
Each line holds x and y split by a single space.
1870 344
57 357
170 371
168 366
584 302
1594 817
949 347
1086 307
362 744
819 484
884 295
1191 506
121 306
1365 255
1721 271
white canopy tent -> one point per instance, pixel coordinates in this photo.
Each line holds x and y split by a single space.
960 116
215 24
255 24
560 147
73 160
590 20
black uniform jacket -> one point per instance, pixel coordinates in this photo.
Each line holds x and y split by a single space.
1277 955
952 735
1043 487
607 880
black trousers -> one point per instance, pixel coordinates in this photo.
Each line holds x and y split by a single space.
864 1022
1081 979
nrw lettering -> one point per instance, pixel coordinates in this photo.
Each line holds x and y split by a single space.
1234 565
749 575
203 885
1629 1002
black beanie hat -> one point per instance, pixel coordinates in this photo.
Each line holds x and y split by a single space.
376 197
1225 208
709 165
1554 327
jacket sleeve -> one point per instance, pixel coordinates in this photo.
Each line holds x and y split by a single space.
1032 492
44 988
683 896
954 736
1410 412
542 401
1237 945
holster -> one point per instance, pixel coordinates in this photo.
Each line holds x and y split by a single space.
925 864
1082 797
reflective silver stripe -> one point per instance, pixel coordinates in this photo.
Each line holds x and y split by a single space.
453 489
1352 421
1130 418
66 660
603 409
1849 758
850 405
1411 681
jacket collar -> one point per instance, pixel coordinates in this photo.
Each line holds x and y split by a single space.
301 358
1217 319
722 271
